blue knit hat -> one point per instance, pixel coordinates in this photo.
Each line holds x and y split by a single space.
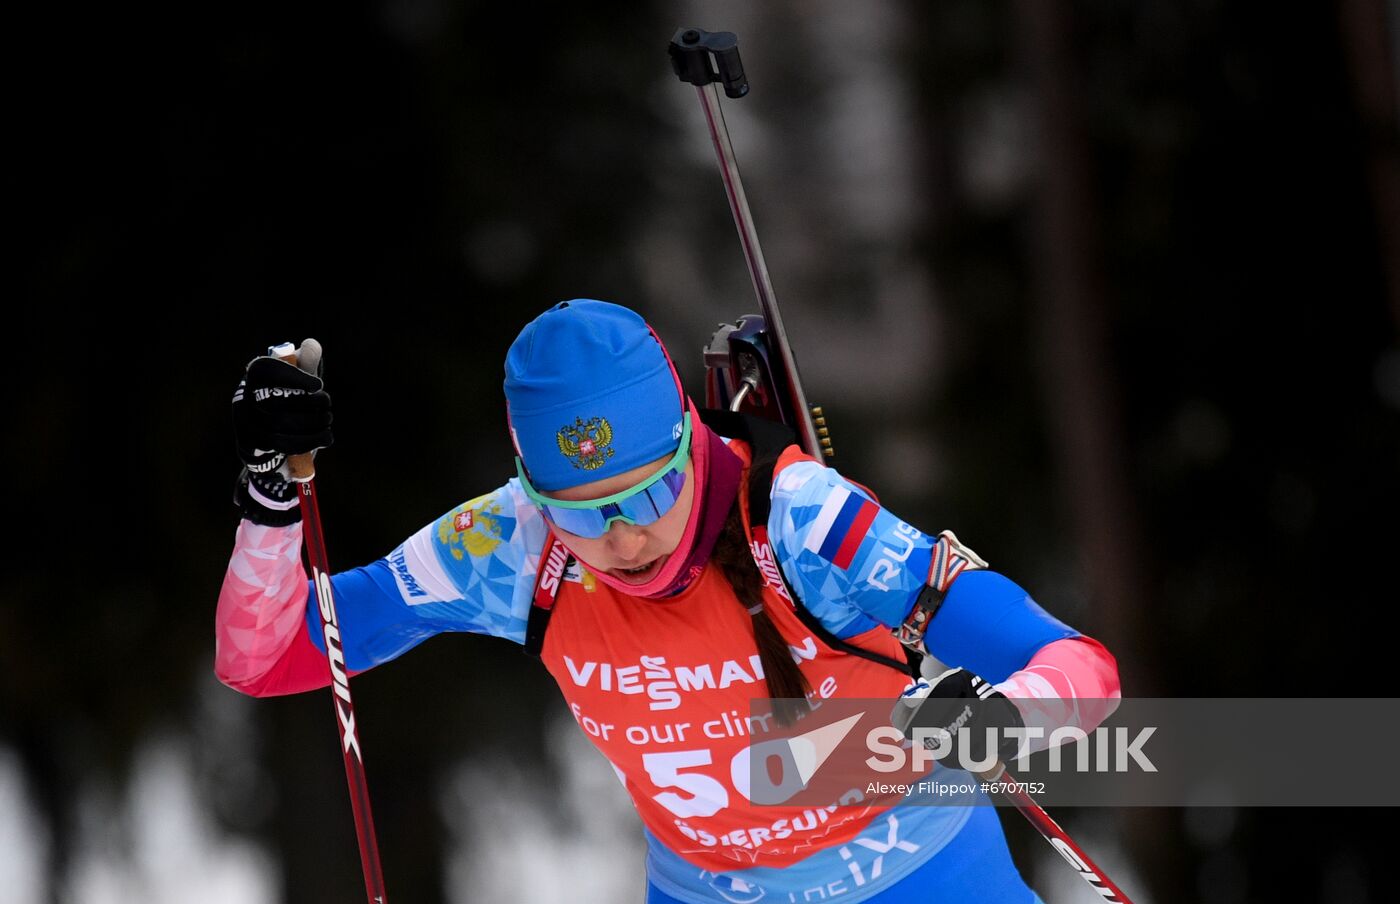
590 394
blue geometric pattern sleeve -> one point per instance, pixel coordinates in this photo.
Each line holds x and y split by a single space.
853 563
473 569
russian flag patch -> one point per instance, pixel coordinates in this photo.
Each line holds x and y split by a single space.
840 526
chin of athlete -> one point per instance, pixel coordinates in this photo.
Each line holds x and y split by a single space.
639 574
600 554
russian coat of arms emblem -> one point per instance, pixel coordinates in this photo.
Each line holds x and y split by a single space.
588 444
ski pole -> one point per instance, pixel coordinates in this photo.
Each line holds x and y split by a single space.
1005 784
303 471
703 58
1059 839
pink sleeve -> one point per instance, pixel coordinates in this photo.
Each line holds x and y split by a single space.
1070 683
260 642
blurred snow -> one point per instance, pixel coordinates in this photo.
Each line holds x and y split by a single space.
23 838
568 835
153 844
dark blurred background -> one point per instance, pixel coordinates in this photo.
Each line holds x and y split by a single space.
1112 289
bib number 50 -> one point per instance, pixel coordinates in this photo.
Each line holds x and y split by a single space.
707 795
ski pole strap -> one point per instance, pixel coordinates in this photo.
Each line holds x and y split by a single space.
554 560
950 559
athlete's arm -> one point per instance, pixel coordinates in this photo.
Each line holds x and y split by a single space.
855 564
470 570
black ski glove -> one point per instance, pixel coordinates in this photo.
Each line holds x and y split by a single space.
279 409
959 707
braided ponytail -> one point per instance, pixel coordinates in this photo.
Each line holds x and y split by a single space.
786 684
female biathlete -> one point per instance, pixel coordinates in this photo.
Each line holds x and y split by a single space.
636 535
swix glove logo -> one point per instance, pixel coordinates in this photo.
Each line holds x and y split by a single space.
272 464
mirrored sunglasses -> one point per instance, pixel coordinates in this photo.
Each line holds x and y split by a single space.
639 505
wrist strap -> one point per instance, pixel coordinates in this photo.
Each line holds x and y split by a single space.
950 559
267 499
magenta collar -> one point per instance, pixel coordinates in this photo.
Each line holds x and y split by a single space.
717 472
719 490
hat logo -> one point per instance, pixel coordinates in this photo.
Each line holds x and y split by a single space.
587 444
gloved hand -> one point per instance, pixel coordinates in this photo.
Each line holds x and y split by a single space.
957 708
279 409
